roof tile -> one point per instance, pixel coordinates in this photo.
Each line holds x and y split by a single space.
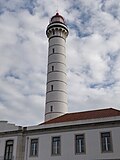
93 114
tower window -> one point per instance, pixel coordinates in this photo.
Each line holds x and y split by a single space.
51 87
53 32
53 50
53 68
51 108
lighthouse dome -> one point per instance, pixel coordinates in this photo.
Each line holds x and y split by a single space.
57 18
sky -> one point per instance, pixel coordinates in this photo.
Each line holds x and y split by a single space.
93 56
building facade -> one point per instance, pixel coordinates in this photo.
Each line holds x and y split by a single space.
93 138
90 135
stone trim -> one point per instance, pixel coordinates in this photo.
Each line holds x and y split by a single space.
56 71
52 112
56 63
87 126
57 54
56 44
56 101
56 91
57 81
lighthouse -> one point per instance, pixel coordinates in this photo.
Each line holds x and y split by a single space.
56 90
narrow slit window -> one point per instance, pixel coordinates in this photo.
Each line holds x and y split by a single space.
51 108
53 50
53 68
51 87
53 32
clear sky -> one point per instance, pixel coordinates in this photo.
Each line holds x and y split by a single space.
93 56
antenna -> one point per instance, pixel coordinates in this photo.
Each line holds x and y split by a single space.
57 6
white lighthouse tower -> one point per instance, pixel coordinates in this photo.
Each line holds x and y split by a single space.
56 92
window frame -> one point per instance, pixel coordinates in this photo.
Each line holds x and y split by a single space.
58 147
110 139
84 145
31 152
9 152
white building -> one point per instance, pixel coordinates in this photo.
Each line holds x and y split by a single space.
90 135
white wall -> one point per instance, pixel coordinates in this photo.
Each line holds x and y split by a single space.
93 146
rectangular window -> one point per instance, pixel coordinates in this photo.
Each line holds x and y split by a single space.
106 142
9 150
51 87
53 32
53 50
52 68
56 146
79 144
51 108
34 147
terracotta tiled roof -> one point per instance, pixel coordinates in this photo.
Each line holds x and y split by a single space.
93 114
